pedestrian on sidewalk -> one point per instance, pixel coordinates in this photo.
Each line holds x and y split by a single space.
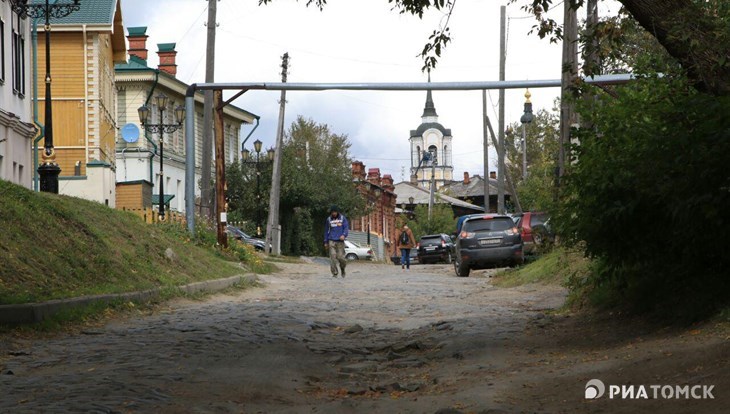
405 243
336 229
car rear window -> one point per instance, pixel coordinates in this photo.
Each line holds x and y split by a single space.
538 219
496 224
431 240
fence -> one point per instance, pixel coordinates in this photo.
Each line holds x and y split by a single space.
151 216
376 243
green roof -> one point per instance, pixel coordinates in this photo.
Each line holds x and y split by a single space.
90 12
135 63
137 31
166 198
166 47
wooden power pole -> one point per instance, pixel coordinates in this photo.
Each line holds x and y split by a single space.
206 155
273 230
220 170
570 72
486 151
500 148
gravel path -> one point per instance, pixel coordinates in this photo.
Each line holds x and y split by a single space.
379 340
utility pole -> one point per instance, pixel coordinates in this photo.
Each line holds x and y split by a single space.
570 71
592 62
432 188
518 206
205 193
486 151
500 148
220 171
273 230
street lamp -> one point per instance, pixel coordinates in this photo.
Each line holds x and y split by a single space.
162 128
256 161
49 169
525 119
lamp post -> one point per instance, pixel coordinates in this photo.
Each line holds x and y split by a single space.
246 159
49 169
162 128
526 118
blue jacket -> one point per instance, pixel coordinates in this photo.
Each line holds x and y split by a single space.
336 227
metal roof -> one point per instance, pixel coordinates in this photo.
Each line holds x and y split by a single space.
90 12
404 190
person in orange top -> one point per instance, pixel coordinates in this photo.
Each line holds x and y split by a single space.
405 243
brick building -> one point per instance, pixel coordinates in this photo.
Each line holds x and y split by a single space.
378 193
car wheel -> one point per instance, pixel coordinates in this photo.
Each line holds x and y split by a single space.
449 258
537 237
461 269
351 256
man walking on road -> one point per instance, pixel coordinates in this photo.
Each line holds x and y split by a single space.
405 243
336 229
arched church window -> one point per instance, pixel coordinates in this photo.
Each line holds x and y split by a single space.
433 150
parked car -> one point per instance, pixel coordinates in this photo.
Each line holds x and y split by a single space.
414 257
354 251
535 229
486 241
435 248
239 234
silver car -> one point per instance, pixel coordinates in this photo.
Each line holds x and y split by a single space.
354 251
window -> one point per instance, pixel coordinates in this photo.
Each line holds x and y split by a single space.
18 57
498 224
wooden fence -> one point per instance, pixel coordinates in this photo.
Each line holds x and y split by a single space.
151 215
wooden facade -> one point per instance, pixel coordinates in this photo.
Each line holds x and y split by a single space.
134 195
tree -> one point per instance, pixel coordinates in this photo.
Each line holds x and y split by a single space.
537 192
442 220
316 174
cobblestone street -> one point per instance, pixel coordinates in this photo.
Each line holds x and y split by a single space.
380 340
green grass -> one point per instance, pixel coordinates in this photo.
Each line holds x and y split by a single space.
54 247
554 268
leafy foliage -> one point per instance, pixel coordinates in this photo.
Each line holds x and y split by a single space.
316 174
442 221
649 192
537 192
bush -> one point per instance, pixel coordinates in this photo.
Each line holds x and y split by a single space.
649 195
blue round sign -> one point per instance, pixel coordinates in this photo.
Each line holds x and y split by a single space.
130 133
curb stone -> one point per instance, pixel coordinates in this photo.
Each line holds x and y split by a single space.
26 313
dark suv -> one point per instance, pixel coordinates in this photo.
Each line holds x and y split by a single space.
434 248
486 241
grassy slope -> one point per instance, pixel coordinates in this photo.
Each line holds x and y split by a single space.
55 247
554 267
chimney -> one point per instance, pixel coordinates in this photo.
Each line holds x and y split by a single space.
374 176
388 182
138 42
467 180
493 175
167 53
414 179
358 170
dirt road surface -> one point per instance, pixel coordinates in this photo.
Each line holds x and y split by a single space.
380 340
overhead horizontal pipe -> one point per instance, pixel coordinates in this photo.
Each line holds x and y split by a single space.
395 86
405 86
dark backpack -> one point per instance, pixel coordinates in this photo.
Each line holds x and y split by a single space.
404 239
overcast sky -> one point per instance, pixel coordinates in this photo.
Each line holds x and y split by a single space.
358 41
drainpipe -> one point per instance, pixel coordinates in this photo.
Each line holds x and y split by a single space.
41 128
146 133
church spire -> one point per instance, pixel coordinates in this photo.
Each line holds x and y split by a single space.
429 110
